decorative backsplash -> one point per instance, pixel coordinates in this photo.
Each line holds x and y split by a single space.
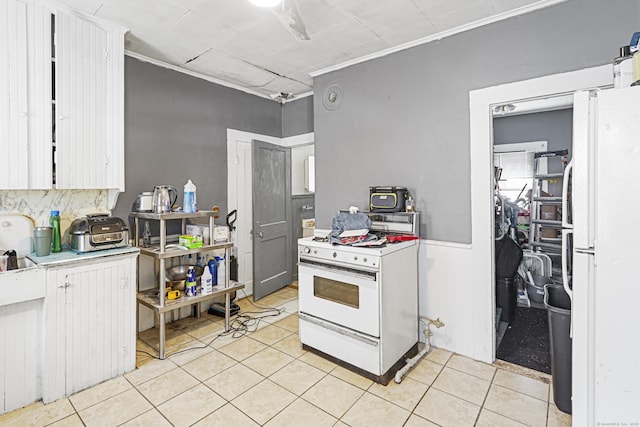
38 204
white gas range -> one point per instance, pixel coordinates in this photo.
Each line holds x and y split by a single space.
359 305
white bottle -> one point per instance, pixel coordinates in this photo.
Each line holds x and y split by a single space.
623 68
206 282
189 205
221 272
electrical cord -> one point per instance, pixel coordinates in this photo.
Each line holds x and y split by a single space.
243 324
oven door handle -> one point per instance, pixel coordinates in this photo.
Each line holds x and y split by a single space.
338 330
372 276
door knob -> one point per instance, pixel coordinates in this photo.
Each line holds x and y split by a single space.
260 234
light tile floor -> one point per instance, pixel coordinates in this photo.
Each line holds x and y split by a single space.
265 378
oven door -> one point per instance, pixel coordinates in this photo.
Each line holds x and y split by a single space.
341 295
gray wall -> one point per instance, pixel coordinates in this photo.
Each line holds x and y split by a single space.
555 127
176 129
297 117
404 118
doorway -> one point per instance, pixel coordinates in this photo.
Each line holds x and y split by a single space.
522 332
240 193
481 103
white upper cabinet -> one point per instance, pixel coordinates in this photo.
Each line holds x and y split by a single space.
61 99
14 160
89 104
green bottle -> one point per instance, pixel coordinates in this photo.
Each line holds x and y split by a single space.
54 220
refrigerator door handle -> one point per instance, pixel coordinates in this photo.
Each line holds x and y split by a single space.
565 196
588 251
565 270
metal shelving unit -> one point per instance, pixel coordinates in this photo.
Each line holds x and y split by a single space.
152 298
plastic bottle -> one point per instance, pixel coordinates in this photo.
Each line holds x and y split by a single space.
206 282
189 205
54 220
146 235
190 285
623 68
410 205
221 271
634 49
213 269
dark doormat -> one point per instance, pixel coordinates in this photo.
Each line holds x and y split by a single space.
526 341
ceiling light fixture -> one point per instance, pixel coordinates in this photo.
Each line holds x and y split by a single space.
265 3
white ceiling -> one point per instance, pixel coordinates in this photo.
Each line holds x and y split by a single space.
238 44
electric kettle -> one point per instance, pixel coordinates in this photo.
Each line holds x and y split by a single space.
164 196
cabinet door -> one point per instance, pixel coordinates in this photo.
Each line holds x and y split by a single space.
21 337
90 321
41 57
89 85
14 161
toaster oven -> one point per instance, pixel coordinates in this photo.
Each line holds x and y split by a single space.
98 232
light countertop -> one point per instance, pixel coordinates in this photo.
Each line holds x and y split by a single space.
69 256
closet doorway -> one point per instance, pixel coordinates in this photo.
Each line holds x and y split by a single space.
522 334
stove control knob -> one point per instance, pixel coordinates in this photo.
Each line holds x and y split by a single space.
335 254
355 258
364 259
306 250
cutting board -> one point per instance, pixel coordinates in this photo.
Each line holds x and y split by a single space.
16 232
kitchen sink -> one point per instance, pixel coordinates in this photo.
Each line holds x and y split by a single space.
24 284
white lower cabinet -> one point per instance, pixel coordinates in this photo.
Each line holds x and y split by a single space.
89 324
20 354
22 295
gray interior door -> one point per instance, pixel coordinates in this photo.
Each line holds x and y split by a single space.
272 266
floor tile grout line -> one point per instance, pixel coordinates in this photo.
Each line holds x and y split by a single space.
77 411
526 394
351 406
394 403
458 397
519 392
486 395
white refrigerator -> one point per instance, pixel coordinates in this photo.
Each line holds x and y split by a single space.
602 251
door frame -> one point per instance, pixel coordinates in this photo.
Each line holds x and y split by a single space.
235 167
481 151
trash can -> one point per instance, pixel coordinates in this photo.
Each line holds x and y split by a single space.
506 298
558 305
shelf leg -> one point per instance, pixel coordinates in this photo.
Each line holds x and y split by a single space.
161 336
227 296
227 310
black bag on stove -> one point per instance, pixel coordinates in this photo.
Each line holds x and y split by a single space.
508 256
387 199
